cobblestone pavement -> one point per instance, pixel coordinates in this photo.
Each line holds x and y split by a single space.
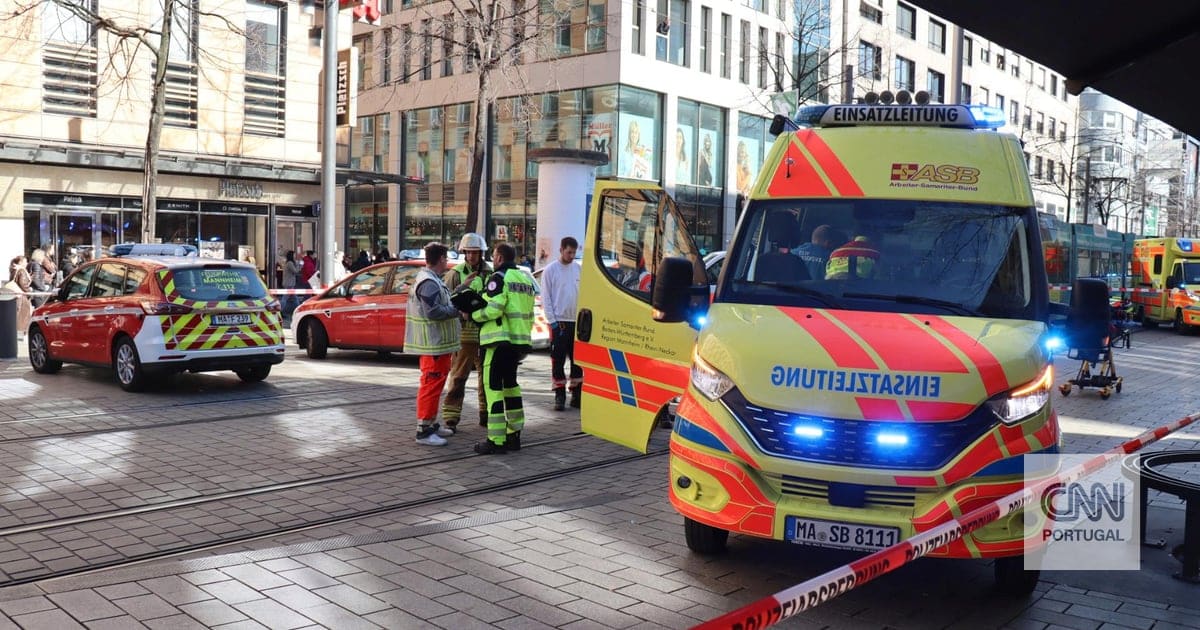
303 502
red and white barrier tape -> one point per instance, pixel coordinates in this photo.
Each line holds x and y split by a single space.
770 610
295 291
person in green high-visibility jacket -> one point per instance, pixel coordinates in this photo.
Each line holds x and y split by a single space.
472 273
504 335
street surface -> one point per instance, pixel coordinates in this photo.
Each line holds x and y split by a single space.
303 502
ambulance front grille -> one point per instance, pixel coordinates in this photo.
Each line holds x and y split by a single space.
845 442
882 496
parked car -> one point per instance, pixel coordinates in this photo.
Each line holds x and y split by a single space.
153 311
367 310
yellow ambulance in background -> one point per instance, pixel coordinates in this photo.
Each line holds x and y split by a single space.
846 410
1166 282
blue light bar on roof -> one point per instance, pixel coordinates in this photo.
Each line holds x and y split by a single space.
960 116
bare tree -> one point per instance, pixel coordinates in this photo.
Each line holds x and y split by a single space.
799 65
498 41
130 38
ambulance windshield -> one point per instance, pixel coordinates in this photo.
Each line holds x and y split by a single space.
884 255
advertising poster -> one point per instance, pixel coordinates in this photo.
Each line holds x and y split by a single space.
637 151
685 165
747 164
706 160
600 133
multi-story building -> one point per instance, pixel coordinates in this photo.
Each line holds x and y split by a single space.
239 167
693 81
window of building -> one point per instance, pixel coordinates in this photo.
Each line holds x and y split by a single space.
1014 66
637 33
182 77
266 71
744 54
385 58
985 52
780 62
1053 84
870 60
706 39
699 192
1050 169
405 52
968 51
1014 112
1062 132
870 12
764 58
936 86
1041 78
984 97
426 50
726 44
662 30
370 144
1000 62
906 20
964 96
639 131
937 35
1052 127
1000 101
1027 123
448 46
1029 71
680 37
365 65
905 69
1040 127
1037 167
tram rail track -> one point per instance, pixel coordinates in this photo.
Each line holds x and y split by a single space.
248 535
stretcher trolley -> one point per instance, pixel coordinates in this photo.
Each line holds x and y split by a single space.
1091 334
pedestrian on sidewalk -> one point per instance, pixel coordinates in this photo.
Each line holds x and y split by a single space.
432 332
504 335
19 282
40 282
472 273
560 297
291 274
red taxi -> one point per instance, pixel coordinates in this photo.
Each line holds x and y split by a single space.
367 311
157 310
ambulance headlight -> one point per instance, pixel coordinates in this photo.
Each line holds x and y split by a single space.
708 380
1024 401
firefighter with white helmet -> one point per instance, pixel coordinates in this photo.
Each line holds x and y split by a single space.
473 272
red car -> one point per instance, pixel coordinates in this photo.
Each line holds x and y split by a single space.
153 311
367 311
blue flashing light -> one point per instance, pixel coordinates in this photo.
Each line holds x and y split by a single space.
988 117
808 431
1185 245
1053 343
700 321
891 438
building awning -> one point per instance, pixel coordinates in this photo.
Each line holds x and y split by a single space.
350 177
1137 53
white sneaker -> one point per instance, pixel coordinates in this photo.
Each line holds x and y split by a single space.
445 431
433 439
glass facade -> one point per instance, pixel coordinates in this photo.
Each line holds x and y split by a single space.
699 153
437 148
752 144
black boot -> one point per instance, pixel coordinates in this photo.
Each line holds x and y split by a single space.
512 441
575 391
560 399
488 447
483 419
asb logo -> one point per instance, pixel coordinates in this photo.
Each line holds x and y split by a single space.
939 173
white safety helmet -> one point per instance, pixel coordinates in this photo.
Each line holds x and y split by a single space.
472 242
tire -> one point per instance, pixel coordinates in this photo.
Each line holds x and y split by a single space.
1178 326
704 539
39 353
1013 579
254 374
128 366
318 340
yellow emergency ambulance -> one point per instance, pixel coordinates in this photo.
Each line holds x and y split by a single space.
848 404
1166 276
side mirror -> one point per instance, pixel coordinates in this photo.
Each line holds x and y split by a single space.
1172 283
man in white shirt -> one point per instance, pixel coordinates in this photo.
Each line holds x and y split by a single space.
560 295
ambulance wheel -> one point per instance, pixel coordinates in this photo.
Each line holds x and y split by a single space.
1012 578
254 374
1178 325
704 539
128 366
39 353
318 340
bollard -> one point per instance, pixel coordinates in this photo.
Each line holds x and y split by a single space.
8 326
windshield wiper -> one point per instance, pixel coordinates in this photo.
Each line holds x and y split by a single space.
821 296
954 307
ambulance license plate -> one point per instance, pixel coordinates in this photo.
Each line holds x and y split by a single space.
231 319
811 531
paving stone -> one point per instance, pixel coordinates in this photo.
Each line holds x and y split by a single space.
46 620
85 605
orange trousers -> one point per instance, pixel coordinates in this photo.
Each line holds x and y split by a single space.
434 370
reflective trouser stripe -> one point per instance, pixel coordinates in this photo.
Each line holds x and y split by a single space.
505 411
562 348
465 360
